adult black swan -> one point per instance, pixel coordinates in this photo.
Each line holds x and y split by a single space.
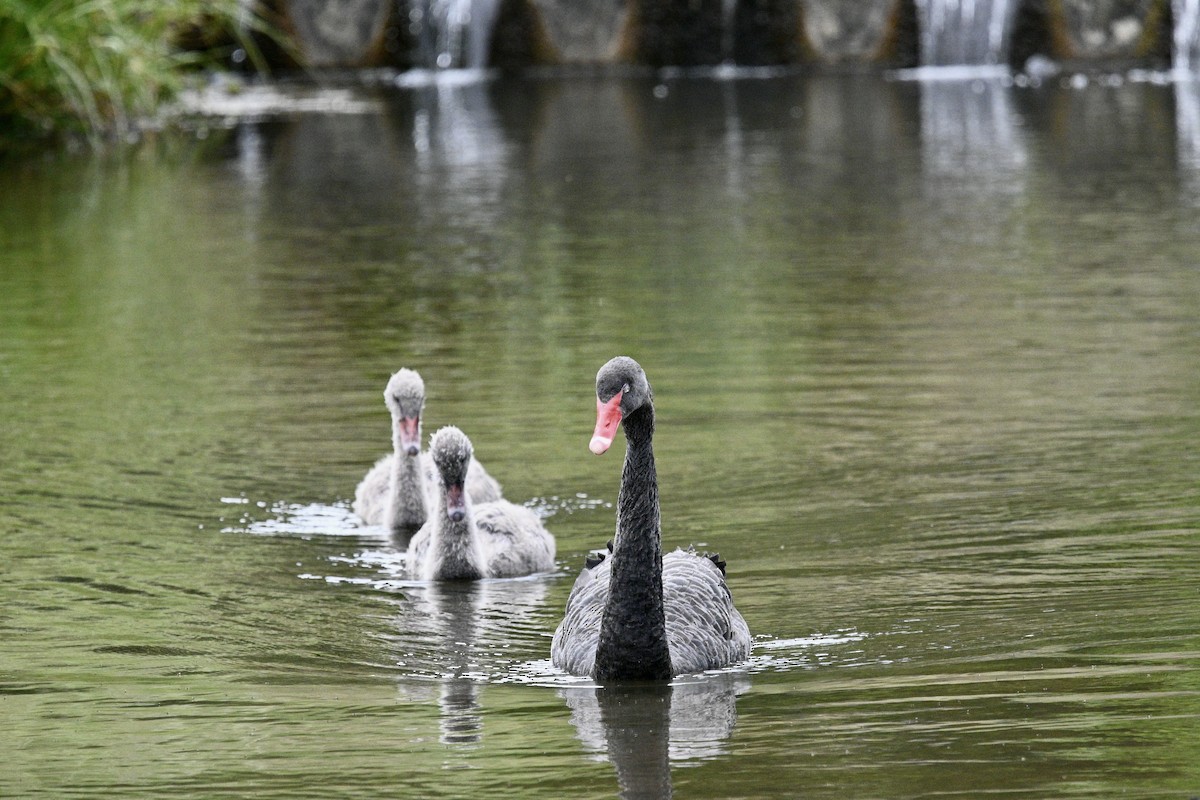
635 614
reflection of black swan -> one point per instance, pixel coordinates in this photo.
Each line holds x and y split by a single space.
460 541
637 614
643 727
398 489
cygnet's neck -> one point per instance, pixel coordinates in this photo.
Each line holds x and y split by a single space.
406 494
455 554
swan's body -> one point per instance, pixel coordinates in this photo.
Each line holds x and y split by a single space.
399 489
464 541
636 614
703 629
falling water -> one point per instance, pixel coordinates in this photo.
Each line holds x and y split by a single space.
1186 60
1187 34
964 32
455 34
728 21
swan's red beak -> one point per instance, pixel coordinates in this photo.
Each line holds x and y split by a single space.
456 503
608 417
408 429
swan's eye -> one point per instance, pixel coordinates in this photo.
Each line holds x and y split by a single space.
625 389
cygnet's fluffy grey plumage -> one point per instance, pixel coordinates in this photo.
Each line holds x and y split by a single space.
463 540
400 488
633 612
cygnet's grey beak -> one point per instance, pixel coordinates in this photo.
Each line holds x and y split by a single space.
456 502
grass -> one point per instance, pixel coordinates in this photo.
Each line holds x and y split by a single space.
100 68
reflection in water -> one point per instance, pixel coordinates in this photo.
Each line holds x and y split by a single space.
251 156
643 728
463 141
452 635
455 634
1187 134
457 148
975 443
456 609
969 132
453 120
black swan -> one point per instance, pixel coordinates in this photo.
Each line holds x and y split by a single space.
399 488
635 614
464 541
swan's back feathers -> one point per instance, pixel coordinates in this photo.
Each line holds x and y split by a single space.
370 496
704 630
716 559
573 648
481 487
513 539
418 550
507 541
593 559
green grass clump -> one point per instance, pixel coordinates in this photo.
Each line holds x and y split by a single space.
100 67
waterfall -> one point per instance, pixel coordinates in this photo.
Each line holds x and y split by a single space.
454 34
1186 34
964 32
728 32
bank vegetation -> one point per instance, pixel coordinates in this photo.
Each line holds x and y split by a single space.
98 70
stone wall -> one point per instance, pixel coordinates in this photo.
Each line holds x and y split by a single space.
1108 29
338 33
841 31
874 33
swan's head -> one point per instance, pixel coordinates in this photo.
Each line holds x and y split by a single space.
621 389
405 398
451 452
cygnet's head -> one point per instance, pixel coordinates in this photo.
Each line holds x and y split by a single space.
451 452
621 389
405 398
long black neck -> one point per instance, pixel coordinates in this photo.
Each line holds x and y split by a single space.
633 629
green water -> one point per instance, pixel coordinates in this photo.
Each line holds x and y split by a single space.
925 368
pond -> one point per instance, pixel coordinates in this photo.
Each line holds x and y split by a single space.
924 357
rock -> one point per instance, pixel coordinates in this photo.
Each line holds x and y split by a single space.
584 31
854 30
1106 29
338 33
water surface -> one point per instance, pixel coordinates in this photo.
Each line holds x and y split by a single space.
924 360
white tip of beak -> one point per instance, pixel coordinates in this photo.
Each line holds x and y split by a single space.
599 444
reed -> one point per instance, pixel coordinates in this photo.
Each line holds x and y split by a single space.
100 68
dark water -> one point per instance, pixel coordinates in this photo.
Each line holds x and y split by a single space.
925 362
